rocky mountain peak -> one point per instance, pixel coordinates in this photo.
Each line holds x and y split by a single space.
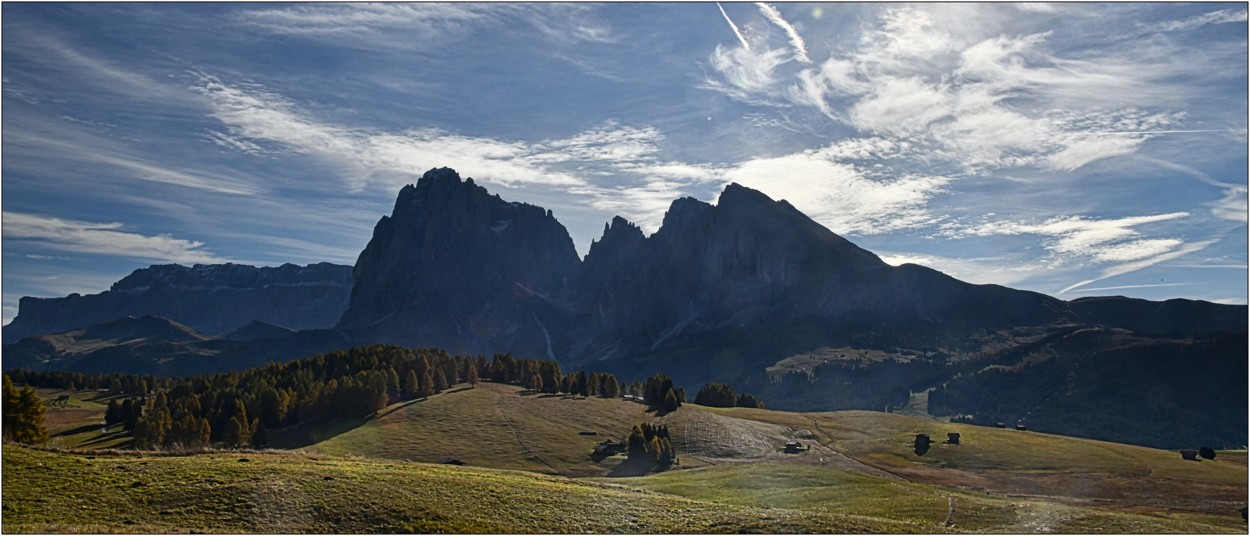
455 266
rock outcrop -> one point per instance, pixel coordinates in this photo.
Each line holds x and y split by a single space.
456 267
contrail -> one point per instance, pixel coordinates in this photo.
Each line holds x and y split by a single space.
1125 287
800 48
734 26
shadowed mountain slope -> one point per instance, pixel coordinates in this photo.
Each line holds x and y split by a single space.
213 299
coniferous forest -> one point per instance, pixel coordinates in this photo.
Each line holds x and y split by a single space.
240 409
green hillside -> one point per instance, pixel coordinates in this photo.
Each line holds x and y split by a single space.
924 507
1028 464
47 492
494 425
860 475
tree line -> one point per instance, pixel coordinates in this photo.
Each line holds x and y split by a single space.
240 409
719 395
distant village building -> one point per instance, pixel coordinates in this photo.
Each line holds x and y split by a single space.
1001 424
952 438
1189 454
1021 427
794 447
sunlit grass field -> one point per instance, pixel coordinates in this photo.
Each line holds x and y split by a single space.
291 493
380 475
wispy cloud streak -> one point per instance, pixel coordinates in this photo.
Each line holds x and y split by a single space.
733 27
796 41
1131 267
104 239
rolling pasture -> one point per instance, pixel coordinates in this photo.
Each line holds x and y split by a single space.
527 469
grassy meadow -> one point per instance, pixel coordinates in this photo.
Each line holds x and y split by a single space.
528 470
49 492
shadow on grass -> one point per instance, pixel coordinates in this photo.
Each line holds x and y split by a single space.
106 438
79 430
635 468
307 434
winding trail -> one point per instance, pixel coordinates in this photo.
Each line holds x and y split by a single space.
867 469
517 432
950 511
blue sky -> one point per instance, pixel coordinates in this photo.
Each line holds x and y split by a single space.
1072 149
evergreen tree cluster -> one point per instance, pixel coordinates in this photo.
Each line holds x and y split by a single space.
23 414
659 393
546 377
116 383
719 395
649 447
239 409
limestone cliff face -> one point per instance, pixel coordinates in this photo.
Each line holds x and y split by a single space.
212 299
760 270
456 267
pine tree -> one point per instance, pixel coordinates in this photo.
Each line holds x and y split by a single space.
392 384
23 414
427 385
206 432
670 400
260 437
471 375
237 433
412 385
594 384
113 414
536 383
611 389
581 385
440 381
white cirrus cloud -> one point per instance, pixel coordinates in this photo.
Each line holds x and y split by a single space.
976 98
1223 16
1102 240
1233 206
1084 149
363 155
359 22
1140 264
104 239
796 41
841 196
977 270
747 75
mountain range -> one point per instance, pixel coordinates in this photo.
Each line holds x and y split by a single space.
748 290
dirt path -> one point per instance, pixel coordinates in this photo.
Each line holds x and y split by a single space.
517 432
950 511
848 461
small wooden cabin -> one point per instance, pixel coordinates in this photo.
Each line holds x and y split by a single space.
609 448
793 447
952 438
1189 454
